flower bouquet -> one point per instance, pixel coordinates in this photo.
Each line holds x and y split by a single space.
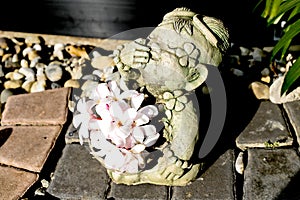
117 126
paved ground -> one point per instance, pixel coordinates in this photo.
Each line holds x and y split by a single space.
255 158
266 149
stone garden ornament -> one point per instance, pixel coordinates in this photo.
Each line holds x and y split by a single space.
143 123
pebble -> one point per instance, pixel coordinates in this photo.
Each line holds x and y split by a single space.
237 72
30 40
101 62
260 90
1 52
12 84
3 43
73 83
54 72
239 163
77 51
5 94
1 71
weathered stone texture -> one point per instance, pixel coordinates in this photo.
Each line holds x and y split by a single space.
272 174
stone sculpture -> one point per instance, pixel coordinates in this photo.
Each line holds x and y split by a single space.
169 64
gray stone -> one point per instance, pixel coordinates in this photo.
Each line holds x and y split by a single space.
293 111
266 129
78 175
71 135
138 192
272 174
217 182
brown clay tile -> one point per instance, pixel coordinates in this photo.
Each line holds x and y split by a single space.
14 182
27 147
40 108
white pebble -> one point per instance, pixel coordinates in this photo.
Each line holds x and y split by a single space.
239 164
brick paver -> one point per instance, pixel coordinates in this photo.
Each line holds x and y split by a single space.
28 146
272 174
293 112
267 128
14 182
41 108
217 182
139 192
78 175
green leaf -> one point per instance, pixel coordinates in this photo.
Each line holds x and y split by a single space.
283 9
291 76
291 31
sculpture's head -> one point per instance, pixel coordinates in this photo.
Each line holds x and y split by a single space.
174 55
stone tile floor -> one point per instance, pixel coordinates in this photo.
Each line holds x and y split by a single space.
255 158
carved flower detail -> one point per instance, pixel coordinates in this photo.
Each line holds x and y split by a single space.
175 101
188 56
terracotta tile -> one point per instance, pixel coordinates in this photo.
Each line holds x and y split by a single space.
14 183
40 108
27 147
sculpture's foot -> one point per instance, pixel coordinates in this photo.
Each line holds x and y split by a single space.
154 177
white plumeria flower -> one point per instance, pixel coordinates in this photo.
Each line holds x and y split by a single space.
119 130
85 120
113 157
110 91
107 74
123 125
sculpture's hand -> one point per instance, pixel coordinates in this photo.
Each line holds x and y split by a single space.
173 167
141 53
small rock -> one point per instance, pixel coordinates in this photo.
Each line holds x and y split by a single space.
260 90
1 52
53 72
28 73
15 58
244 51
12 84
38 86
73 83
5 57
75 72
37 47
1 71
275 93
30 40
3 43
237 72
102 62
88 87
77 51
5 94
266 79
265 72
24 63
58 51
27 85
17 49
239 163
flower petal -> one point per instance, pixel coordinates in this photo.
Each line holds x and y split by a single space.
138 134
137 100
150 134
141 119
112 85
138 148
81 105
149 110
